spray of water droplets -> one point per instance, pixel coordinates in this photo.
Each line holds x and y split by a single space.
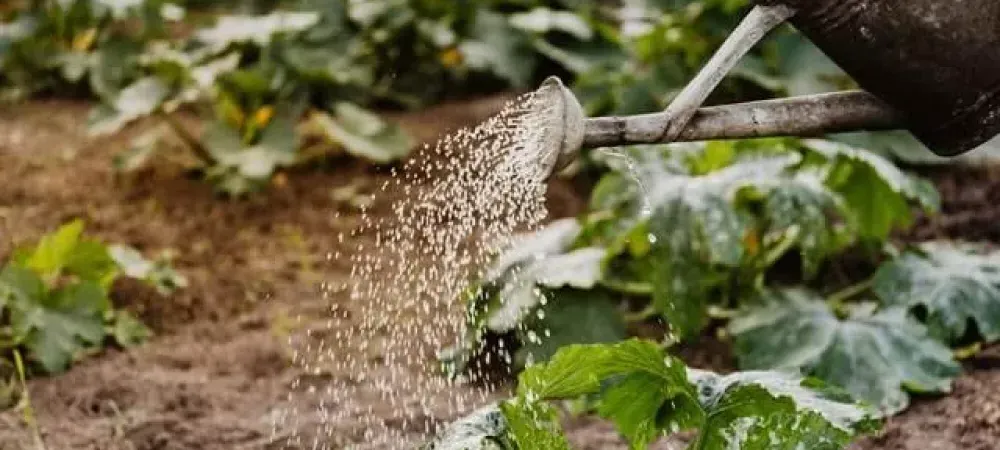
459 202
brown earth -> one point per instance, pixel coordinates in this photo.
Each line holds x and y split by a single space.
220 367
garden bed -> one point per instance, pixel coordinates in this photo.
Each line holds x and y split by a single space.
219 365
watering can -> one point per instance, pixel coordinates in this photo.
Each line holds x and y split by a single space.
931 67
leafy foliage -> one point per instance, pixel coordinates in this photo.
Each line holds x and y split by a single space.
254 76
54 297
648 394
873 355
957 284
684 227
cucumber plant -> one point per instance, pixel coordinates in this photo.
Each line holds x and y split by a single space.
55 303
648 394
747 237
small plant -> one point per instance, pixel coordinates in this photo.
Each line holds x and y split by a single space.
648 394
54 298
78 46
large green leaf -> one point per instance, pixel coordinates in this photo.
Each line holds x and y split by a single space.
499 48
872 356
510 425
483 429
570 316
696 228
534 261
57 327
649 393
258 30
533 425
19 285
958 284
137 100
158 273
877 193
276 147
53 251
775 410
364 134
520 293
544 20
802 204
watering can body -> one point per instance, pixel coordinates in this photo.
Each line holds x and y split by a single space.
937 62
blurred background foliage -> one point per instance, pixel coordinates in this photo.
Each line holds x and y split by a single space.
277 83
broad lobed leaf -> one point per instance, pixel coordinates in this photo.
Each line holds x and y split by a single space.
958 284
874 356
648 394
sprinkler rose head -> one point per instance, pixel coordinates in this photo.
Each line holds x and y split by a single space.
563 124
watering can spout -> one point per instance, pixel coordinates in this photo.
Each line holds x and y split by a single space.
930 67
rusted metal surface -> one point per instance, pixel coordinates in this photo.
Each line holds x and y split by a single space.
936 61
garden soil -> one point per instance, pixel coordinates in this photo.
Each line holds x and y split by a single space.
219 367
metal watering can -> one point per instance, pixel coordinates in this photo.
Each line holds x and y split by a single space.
931 67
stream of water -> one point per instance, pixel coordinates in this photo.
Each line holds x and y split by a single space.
455 207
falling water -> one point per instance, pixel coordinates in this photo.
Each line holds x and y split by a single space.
457 207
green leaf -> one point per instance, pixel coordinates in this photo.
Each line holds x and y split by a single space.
871 356
533 425
569 316
958 284
697 228
277 147
53 251
877 193
553 238
510 425
806 206
90 261
580 369
544 20
139 99
775 410
20 286
364 134
55 329
127 330
158 274
498 48
258 30
520 292
647 393
483 429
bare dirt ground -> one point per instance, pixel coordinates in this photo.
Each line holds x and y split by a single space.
219 367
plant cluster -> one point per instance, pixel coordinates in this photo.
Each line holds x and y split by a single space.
280 87
55 301
760 240
647 393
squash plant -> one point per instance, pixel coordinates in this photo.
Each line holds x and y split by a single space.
648 394
78 45
745 235
55 301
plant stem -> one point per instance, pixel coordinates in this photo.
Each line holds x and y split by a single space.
28 411
641 316
837 299
192 142
629 287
